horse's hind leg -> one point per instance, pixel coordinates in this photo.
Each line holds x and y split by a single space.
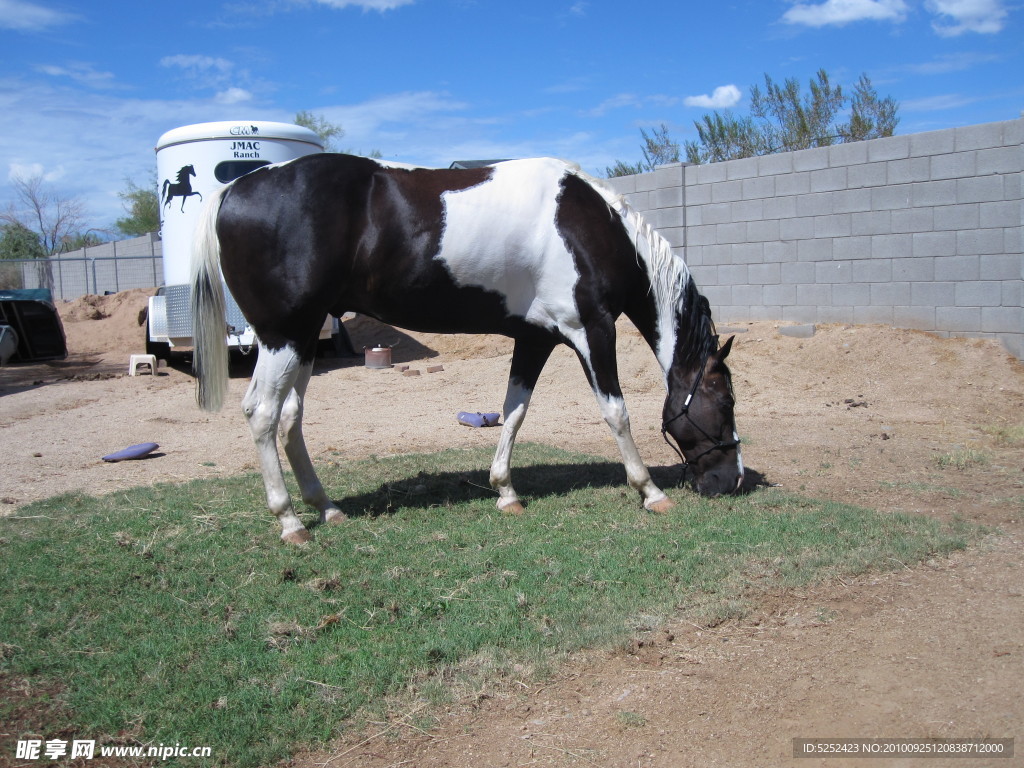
290 430
528 360
272 382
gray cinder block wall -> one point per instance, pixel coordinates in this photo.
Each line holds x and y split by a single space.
917 231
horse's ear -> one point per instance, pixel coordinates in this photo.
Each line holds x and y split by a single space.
724 351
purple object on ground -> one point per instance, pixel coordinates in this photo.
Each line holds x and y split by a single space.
132 452
478 419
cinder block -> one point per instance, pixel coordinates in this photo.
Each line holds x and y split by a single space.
890 294
767 313
1013 294
958 165
891 246
758 188
934 294
814 250
934 193
781 295
718 295
799 228
958 319
676 236
1000 266
666 197
810 159
956 216
978 241
913 270
851 200
872 271
751 295
800 313
868 175
833 272
771 165
921 318
696 194
999 214
834 313
669 176
748 210
796 272
733 232
780 207
702 235
793 184
907 170
803 331
733 274
890 148
932 143
645 182
744 168
849 153
716 254
716 213
913 220
850 248
710 173
836 225
981 189
889 197
748 253
978 136
780 251
763 231
828 179
933 244
1002 320
814 294
814 204
663 218
727 192
873 315
871 223
764 274
979 293
957 268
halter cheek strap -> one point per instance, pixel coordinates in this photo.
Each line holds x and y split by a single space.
716 445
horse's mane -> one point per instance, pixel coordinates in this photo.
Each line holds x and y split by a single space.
182 174
672 286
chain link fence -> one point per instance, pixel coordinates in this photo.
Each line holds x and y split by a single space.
99 269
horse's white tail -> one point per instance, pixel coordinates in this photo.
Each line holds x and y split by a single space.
209 323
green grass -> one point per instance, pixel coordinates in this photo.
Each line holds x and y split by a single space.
173 612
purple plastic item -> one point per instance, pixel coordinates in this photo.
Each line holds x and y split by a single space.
478 419
132 452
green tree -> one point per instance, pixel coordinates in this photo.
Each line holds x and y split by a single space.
658 149
142 204
19 242
319 125
783 119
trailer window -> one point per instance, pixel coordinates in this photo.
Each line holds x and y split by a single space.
230 170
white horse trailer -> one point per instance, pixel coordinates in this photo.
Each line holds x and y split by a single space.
193 161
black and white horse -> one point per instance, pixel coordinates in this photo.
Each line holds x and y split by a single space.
532 249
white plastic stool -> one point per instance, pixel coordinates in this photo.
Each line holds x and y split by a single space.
137 360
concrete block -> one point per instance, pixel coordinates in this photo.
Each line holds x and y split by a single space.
934 294
669 176
751 295
1002 320
814 294
849 153
871 223
781 295
999 160
933 244
810 159
890 294
931 143
799 228
748 253
803 331
913 220
889 197
907 170
1000 266
1013 133
744 168
958 319
676 236
758 188
913 270
771 165
702 235
622 185
666 197
716 254
872 271
850 248
796 272
663 218
979 293
800 314
999 214
891 246
814 250
727 192
851 294
978 136
748 210
814 204
934 193
958 165
716 213
828 179
780 251
921 318
764 274
732 232
763 231
873 315
766 313
953 217
718 295
851 200
836 225
697 194
780 207
978 241
645 182
793 184
733 274
869 175
833 272
834 313
957 268
982 189
890 148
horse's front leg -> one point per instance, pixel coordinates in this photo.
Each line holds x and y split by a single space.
528 360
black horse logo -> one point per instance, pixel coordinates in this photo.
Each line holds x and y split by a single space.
182 188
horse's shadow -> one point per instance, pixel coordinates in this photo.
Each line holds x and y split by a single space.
425 490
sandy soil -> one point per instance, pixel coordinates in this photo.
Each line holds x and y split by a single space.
892 419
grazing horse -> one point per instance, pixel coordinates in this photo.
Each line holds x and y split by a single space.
182 188
532 249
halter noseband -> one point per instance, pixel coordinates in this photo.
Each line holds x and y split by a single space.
717 445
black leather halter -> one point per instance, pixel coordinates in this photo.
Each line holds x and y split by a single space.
717 445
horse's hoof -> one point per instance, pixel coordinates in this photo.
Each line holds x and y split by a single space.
301 536
662 506
334 517
513 508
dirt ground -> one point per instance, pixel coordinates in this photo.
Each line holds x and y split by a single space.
891 419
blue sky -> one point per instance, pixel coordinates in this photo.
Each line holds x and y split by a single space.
88 86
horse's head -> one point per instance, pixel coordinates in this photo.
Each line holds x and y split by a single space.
698 414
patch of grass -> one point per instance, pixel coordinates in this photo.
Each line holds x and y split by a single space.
962 459
174 613
1012 434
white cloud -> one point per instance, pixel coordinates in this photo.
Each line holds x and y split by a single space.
30 17
936 103
80 72
579 8
840 12
951 62
724 96
615 102
233 96
366 5
982 16
197 65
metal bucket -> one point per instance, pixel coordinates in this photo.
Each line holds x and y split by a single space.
377 357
